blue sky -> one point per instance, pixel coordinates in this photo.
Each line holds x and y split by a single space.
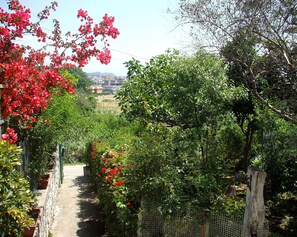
146 29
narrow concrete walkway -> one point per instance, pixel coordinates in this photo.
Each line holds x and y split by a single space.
77 209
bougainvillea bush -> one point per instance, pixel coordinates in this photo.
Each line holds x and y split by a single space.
108 166
29 74
15 196
107 157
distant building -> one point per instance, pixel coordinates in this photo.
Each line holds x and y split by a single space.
112 89
105 82
96 89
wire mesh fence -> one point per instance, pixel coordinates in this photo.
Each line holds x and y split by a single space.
194 224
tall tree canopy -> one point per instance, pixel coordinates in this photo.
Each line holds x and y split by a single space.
258 40
176 90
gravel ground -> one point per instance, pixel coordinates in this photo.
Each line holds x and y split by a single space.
77 209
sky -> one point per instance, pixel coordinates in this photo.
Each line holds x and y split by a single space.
146 28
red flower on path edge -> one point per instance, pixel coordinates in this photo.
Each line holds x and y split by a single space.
118 183
112 172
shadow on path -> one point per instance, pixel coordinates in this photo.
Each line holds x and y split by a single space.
91 220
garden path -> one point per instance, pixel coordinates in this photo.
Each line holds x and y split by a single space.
77 209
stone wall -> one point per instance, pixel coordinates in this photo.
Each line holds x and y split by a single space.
46 199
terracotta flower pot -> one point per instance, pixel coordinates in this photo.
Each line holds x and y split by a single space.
87 170
43 181
51 165
34 213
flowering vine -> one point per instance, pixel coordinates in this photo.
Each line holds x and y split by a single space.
10 136
29 74
109 168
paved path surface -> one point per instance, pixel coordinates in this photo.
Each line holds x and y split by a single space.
77 210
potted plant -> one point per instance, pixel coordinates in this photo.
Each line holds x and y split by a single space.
34 213
43 181
51 165
87 170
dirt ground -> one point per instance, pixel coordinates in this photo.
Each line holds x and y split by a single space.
77 209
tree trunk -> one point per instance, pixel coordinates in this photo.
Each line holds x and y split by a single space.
254 217
244 162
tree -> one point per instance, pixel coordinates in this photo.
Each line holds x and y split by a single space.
29 74
262 35
83 82
191 142
193 93
176 90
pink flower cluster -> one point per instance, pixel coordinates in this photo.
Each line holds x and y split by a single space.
27 79
10 136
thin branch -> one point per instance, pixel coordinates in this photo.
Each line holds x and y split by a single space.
280 113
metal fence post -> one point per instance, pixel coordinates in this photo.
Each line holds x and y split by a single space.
61 158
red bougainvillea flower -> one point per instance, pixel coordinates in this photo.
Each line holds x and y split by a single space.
93 147
98 175
105 160
29 74
118 183
108 178
120 168
10 136
112 172
93 154
111 155
129 203
103 169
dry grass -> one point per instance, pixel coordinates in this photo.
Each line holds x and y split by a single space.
107 103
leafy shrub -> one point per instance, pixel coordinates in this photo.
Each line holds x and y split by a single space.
15 196
107 157
167 172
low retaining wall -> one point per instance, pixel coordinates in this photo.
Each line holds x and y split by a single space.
46 200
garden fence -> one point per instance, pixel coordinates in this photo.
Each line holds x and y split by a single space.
152 224
25 157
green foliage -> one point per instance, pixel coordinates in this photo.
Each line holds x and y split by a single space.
68 120
167 172
258 41
230 206
176 90
81 79
57 125
277 152
107 158
15 196
192 139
